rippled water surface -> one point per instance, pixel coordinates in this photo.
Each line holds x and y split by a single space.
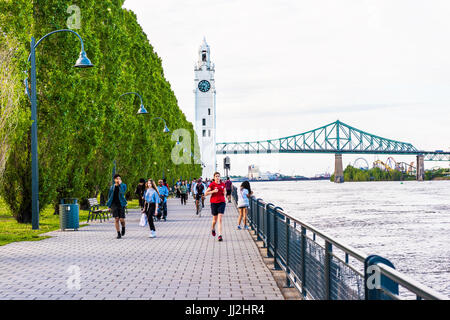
407 223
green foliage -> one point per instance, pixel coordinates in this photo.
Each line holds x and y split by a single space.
375 174
436 173
82 125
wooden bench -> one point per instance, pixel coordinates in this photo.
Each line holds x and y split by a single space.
95 211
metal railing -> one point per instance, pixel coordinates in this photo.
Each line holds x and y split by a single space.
321 267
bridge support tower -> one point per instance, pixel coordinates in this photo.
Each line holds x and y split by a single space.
420 175
338 169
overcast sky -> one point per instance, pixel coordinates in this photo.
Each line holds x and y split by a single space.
285 67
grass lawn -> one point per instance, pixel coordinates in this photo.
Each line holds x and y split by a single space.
12 231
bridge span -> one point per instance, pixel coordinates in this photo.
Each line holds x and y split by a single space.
338 138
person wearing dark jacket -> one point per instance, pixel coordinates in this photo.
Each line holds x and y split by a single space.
117 203
140 190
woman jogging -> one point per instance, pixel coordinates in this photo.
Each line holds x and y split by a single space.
183 192
244 193
151 202
217 191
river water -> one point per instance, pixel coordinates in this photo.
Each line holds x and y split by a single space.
407 223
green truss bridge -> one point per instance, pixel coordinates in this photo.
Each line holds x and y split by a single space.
338 138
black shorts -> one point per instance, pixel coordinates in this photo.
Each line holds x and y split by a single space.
198 196
228 192
118 211
217 208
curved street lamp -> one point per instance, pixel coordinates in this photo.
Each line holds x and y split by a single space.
82 62
166 129
142 109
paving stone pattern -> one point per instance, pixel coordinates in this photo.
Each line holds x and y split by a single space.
184 261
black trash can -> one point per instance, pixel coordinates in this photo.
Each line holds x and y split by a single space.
69 212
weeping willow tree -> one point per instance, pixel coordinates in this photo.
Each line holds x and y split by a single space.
83 126
9 98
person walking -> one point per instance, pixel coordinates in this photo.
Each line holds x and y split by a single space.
244 194
117 203
217 191
163 194
149 182
183 192
151 203
229 187
140 190
205 186
188 188
193 184
176 189
199 195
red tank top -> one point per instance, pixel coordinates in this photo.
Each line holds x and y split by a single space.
217 197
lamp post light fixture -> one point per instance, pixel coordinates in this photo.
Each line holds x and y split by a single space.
142 109
166 129
82 62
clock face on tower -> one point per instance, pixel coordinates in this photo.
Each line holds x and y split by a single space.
204 86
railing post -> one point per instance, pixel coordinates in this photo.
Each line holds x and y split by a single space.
276 266
258 238
374 282
288 271
268 234
263 222
250 214
303 254
327 269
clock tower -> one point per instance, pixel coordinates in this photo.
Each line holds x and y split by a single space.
205 110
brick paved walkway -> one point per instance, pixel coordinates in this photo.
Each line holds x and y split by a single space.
183 262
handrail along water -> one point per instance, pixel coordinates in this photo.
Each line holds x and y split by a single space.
321 267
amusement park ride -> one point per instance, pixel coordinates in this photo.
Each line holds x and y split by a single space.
389 165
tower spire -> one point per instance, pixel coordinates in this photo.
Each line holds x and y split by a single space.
204 60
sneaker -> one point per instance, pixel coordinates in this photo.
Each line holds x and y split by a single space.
239 228
246 227
213 232
152 234
220 238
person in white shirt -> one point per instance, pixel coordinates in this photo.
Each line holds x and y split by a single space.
193 188
244 194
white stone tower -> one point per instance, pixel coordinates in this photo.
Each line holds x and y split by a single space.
205 110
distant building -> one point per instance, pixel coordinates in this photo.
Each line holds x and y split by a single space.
268 176
253 172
